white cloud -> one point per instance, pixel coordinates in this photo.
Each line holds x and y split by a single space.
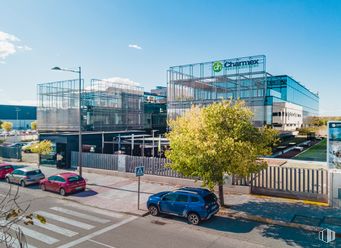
135 46
120 80
8 37
8 46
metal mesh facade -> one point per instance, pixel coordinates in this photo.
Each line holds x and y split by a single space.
58 106
106 106
204 83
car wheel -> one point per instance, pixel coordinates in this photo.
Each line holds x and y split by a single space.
193 218
22 183
153 210
8 180
62 192
43 187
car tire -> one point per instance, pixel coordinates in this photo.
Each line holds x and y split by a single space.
8 180
43 187
22 183
193 218
62 192
153 210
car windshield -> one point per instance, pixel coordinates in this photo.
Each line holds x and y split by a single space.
33 173
75 179
210 198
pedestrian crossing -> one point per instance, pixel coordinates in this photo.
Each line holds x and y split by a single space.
63 224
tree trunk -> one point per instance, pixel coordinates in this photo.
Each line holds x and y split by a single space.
221 194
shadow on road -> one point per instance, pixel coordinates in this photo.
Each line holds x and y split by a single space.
296 237
220 223
86 193
120 189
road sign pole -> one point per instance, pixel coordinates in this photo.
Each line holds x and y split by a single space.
138 193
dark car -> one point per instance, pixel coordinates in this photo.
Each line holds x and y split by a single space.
195 204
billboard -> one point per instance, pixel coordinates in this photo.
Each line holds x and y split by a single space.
334 145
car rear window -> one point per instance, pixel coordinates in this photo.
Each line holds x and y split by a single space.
210 198
33 173
75 179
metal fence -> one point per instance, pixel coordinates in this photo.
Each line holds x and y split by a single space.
152 166
96 160
297 183
10 152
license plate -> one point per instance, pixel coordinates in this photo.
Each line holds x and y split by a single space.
79 188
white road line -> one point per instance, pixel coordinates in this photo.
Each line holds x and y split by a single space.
65 220
36 235
16 244
99 211
54 228
80 215
105 245
99 232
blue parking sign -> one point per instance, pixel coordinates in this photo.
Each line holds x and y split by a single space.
139 171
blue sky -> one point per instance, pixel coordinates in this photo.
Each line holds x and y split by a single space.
299 38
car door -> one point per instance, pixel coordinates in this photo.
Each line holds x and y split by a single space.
180 205
16 176
49 183
58 183
166 203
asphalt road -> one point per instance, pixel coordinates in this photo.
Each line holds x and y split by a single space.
70 224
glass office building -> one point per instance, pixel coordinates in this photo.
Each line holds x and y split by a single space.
243 78
105 106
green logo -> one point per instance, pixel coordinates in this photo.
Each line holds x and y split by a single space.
217 66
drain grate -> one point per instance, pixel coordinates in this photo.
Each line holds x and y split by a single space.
158 222
307 220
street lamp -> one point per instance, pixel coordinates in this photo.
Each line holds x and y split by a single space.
79 71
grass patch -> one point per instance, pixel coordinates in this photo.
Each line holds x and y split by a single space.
317 152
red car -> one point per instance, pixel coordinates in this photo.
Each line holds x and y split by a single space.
63 183
5 169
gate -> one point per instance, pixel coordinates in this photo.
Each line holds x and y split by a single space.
297 183
10 152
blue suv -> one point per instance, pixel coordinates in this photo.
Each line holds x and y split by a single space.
195 204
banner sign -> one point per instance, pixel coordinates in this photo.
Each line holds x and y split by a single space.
334 145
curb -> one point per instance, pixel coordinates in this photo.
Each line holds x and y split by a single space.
245 216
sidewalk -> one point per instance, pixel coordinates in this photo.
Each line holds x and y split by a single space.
285 212
120 194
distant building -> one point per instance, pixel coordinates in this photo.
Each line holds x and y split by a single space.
20 116
160 91
278 101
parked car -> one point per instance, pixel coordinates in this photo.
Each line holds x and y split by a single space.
27 148
195 204
5 169
63 183
25 176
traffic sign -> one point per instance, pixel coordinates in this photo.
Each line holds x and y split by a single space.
139 171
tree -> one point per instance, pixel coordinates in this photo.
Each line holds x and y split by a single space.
216 140
7 126
34 125
13 211
42 148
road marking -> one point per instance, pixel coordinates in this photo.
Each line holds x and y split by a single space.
54 228
99 232
65 220
96 242
36 235
80 215
99 211
16 244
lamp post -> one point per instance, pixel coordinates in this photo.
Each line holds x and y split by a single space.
79 71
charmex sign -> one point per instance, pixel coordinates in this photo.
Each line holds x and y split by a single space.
230 65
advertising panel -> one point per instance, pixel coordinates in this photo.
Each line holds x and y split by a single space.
334 145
